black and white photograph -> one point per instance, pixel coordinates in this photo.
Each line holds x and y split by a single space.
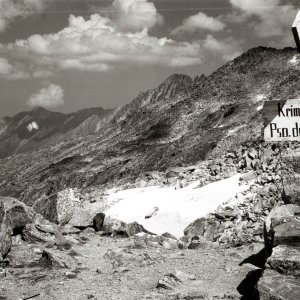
150 149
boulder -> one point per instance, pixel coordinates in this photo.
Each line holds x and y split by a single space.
291 180
5 233
61 242
68 229
114 227
249 176
59 208
98 221
287 234
285 260
275 286
170 243
168 282
196 228
17 212
117 227
57 259
134 228
196 242
81 218
227 212
41 230
18 217
282 226
32 234
144 239
281 214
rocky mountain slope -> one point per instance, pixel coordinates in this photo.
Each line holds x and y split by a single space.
181 122
193 150
28 131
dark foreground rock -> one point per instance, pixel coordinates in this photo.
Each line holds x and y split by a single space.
281 281
115 227
57 259
285 260
5 233
275 286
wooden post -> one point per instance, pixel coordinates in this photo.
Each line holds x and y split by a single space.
296 30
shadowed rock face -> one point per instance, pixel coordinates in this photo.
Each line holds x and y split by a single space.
179 123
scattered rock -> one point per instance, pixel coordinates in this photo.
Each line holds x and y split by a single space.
125 259
183 277
168 282
70 275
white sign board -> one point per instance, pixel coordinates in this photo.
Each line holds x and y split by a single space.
296 30
282 120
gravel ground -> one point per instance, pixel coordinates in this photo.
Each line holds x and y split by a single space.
124 273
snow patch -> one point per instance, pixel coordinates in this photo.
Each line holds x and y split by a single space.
234 130
294 60
258 108
176 208
33 125
260 97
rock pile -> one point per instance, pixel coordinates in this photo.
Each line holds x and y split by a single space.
241 220
281 278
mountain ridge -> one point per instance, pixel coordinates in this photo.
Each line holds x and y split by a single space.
161 129
38 127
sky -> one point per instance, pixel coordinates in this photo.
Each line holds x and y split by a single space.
66 55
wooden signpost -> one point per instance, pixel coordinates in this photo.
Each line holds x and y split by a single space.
282 120
296 30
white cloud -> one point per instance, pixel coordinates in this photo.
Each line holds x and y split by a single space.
199 21
102 43
97 45
5 66
274 19
135 15
10 9
51 96
11 72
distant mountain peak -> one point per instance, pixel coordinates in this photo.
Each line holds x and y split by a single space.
178 79
39 108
